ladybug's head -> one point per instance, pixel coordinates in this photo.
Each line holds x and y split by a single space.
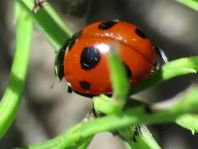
59 60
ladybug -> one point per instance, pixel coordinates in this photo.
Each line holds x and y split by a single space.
83 61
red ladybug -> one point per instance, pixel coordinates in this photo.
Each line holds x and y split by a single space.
83 60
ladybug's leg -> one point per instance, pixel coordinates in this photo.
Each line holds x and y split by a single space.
162 55
69 89
38 4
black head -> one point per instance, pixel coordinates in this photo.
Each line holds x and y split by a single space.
59 60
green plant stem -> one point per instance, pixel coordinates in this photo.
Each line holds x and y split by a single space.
127 145
188 121
193 4
85 144
138 137
10 101
139 115
106 105
173 69
49 22
119 83
119 79
102 104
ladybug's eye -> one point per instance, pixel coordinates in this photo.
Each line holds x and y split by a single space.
140 33
90 57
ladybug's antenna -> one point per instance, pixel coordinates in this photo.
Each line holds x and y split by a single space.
162 55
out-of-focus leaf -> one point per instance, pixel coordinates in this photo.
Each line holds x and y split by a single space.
12 96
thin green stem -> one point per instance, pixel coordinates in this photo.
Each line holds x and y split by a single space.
139 115
12 95
49 22
138 137
85 143
119 79
173 69
193 4
127 145
188 121
120 85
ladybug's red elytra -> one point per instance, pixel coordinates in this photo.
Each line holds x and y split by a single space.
83 60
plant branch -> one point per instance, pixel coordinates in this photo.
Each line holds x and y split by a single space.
120 85
49 22
85 144
168 71
119 79
12 96
193 4
138 137
134 116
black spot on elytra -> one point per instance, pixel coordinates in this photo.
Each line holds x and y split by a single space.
90 57
106 25
85 85
72 40
140 33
